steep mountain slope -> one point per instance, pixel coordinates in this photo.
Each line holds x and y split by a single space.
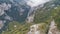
45 12
14 18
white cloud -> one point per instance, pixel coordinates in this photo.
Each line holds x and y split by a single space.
34 3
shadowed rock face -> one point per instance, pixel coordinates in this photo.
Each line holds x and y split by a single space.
17 11
34 29
1 24
11 11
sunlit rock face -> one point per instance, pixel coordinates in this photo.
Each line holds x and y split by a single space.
34 3
53 28
34 29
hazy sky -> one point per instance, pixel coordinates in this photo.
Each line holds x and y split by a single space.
34 3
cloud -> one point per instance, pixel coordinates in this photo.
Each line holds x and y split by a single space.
34 3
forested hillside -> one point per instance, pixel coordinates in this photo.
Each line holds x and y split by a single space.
43 17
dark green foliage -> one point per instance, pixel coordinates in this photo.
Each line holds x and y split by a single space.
56 16
42 15
19 29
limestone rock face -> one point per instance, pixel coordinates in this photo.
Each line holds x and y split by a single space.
33 29
53 28
37 29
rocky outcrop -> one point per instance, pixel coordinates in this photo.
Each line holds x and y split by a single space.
42 28
53 28
33 30
37 29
